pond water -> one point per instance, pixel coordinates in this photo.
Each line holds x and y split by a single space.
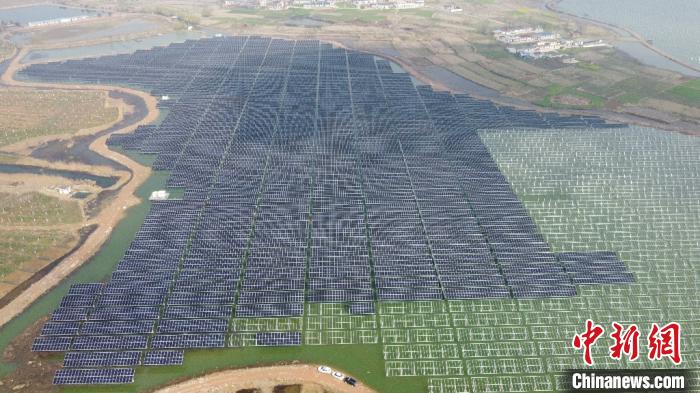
102 181
113 47
40 12
649 57
128 27
81 195
672 25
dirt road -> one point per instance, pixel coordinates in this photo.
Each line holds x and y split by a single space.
265 379
108 217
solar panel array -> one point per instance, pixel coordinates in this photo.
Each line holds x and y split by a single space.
100 376
267 339
299 162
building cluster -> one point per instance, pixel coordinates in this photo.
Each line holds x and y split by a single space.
159 195
57 21
361 4
535 43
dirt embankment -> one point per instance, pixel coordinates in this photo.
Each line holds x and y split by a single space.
109 215
265 379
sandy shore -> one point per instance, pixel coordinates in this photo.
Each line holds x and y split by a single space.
265 379
108 217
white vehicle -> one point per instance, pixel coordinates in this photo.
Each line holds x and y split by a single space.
324 369
338 375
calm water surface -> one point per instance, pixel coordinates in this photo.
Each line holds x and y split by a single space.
113 47
37 13
672 25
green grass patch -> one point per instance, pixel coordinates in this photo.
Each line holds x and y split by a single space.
422 12
330 15
18 247
352 15
7 158
37 209
36 241
558 92
637 88
275 15
524 11
693 84
26 113
588 66
687 93
492 51
628 91
255 21
5 49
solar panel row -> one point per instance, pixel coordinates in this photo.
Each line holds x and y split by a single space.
299 161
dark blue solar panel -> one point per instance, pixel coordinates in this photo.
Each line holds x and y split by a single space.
362 308
162 341
327 154
117 327
51 344
163 358
72 376
102 359
51 328
107 343
193 326
277 338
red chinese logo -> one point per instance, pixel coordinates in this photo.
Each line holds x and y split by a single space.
626 341
665 342
586 340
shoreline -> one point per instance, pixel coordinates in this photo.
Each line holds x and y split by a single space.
551 5
109 215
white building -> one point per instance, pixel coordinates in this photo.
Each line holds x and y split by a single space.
57 21
159 195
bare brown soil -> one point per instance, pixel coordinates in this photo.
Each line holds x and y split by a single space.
267 380
566 99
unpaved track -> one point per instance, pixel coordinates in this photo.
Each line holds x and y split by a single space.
108 217
264 378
